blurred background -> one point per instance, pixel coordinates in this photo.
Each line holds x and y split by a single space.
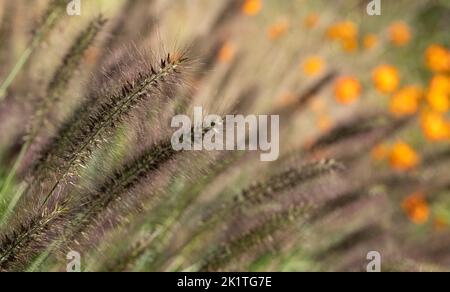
367 93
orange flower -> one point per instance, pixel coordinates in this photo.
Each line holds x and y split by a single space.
347 90
440 83
278 29
438 101
311 20
399 33
313 66
380 152
343 30
403 157
370 41
252 7
386 78
437 58
350 45
435 127
227 52
406 101
346 33
416 208
438 95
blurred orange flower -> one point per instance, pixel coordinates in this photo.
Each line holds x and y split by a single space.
347 90
346 33
311 20
370 41
399 33
438 95
227 52
403 157
416 208
278 29
313 66
342 30
440 83
435 126
386 78
437 58
406 101
252 7
350 45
